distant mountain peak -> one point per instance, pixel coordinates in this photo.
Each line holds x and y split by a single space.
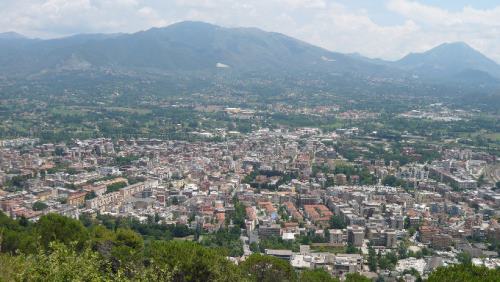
11 35
189 25
192 23
449 59
458 46
445 49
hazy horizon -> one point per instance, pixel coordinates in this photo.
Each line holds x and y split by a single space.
123 33
386 29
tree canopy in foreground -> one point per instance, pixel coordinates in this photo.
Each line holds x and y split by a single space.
58 248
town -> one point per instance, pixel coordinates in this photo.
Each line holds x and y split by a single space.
289 193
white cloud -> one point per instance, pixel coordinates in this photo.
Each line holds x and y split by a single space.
440 17
479 28
341 30
420 12
304 4
152 17
326 23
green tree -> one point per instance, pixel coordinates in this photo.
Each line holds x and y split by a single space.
388 261
59 151
464 258
90 196
101 239
124 161
16 236
227 239
337 222
127 237
254 247
115 186
464 273
350 249
407 222
11 266
54 227
402 251
63 263
481 181
267 269
239 214
372 259
411 231
413 272
191 262
316 275
175 201
356 277
126 250
39 206
389 180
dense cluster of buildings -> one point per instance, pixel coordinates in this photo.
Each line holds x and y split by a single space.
275 176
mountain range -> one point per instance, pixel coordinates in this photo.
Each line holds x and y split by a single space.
194 47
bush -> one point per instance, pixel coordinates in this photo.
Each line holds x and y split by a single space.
115 187
39 206
464 273
267 269
316 275
192 262
58 228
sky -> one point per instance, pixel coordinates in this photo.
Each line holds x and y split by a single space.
387 29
